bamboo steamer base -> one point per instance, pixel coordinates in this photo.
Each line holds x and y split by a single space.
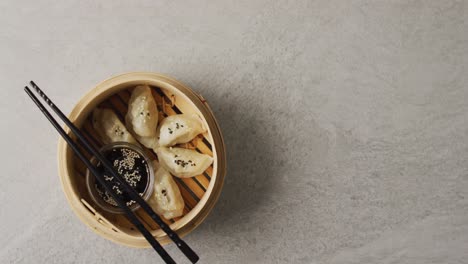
199 193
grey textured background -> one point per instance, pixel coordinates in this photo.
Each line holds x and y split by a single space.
346 124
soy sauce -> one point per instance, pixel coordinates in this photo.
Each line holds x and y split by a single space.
131 166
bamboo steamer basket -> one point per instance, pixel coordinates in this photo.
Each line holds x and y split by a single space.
200 193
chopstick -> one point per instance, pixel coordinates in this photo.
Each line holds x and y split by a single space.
191 255
188 252
99 176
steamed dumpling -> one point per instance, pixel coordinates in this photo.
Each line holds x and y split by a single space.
183 163
149 142
166 199
109 127
142 115
180 128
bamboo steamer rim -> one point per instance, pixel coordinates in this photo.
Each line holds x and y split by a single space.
65 161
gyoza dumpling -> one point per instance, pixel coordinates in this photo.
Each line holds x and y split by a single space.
109 127
183 163
166 199
180 128
142 115
149 142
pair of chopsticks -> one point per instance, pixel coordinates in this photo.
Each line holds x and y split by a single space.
85 144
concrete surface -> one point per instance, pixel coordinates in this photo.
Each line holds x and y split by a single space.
346 124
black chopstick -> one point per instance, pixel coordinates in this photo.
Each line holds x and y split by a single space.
188 252
99 176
